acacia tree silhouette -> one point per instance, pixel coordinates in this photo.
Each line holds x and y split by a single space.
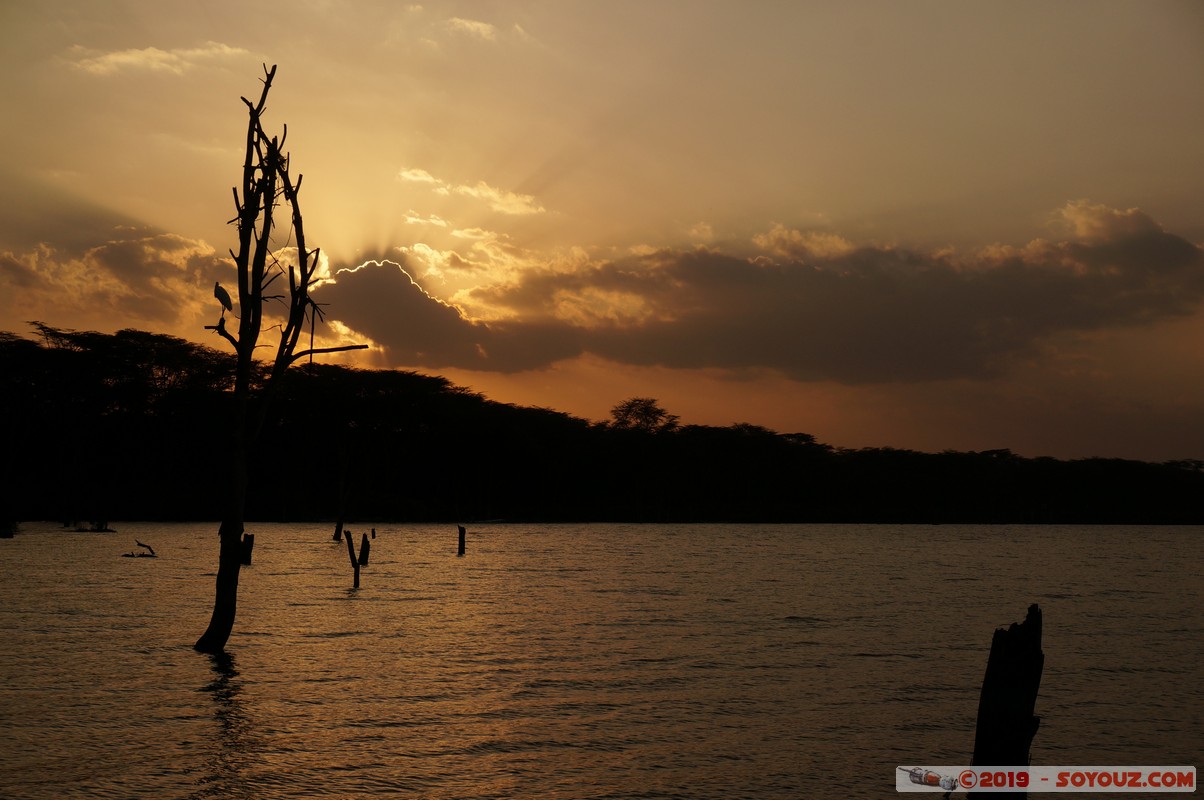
266 183
642 414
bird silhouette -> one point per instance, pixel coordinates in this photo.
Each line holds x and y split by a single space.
223 297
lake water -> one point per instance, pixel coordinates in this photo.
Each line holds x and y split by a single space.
582 661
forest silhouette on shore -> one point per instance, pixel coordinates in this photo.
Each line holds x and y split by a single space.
130 426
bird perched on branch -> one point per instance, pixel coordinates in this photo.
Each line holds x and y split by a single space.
223 297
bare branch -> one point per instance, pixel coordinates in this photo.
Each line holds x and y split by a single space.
319 350
220 327
267 85
270 281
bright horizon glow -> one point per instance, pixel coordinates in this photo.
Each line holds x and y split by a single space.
934 226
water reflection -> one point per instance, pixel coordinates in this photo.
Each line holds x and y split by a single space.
226 769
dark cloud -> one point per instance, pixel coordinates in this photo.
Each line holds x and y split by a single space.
83 264
814 307
134 278
159 270
380 300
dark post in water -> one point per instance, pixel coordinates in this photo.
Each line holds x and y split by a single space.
248 544
365 549
1006 722
460 552
355 565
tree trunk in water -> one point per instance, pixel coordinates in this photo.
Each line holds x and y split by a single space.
225 600
229 560
365 549
248 546
355 565
1006 722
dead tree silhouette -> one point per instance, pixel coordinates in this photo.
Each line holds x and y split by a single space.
266 184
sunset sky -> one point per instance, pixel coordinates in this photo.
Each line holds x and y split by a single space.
924 224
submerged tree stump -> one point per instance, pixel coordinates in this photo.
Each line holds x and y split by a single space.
1006 722
355 564
460 551
365 549
338 531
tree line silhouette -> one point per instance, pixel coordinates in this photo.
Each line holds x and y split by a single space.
130 426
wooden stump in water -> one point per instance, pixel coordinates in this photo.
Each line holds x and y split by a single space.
1006 722
248 544
365 549
460 552
338 531
355 565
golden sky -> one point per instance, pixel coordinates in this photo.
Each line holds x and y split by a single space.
934 224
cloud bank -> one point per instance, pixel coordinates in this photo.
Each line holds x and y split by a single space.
135 278
806 305
809 305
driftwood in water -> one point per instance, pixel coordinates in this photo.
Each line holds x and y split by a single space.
248 544
149 554
365 549
460 552
355 565
1006 722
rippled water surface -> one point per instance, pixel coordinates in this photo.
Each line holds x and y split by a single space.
581 661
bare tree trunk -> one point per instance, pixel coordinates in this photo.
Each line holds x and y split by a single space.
355 565
225 601
1006 722
248 546
229 560
266 183
365 550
